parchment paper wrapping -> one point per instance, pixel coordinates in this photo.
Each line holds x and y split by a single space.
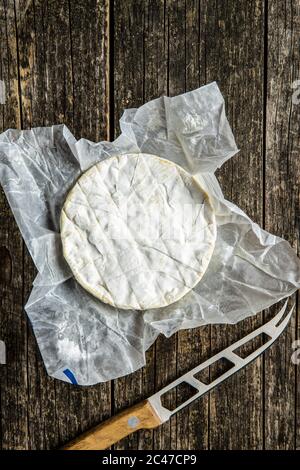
85 341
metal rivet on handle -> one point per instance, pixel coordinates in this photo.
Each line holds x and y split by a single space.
133 421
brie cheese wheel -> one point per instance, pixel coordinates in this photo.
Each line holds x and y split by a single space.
137 231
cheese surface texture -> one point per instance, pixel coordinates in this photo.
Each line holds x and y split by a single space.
137 231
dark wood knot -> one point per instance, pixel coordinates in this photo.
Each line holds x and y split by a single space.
5 265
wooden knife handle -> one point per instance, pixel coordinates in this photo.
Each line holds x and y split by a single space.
140 416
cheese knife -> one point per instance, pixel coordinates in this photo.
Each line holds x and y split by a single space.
151 412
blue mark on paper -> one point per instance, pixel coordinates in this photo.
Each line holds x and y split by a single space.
70 376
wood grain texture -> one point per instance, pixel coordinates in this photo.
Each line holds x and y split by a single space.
44 59
231 61
140 416
13 402
155 83
83 63
51 41
194 346
282 205
128 86
186 71
166 349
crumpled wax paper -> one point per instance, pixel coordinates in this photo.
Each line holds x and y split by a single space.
85 341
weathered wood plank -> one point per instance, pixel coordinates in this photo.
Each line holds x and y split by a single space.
282 203
33 84
166 348
46 87
234 54
128 59
128 86
89 26
59 86
155 84
193 345
163 71
13 378
186 72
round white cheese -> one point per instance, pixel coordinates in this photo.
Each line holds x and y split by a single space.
137 231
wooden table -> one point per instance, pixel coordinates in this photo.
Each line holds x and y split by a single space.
83 62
